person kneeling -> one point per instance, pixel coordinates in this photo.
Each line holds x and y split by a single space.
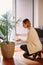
33 44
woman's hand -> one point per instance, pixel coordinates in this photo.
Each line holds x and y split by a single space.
18 40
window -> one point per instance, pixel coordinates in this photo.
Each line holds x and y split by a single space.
23 9
5 6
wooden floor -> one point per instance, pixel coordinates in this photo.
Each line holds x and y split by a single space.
18 59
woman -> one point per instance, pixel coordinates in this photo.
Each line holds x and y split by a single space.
33 45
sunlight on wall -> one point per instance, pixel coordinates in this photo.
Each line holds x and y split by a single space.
5 5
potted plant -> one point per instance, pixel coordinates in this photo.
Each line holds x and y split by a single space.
7 48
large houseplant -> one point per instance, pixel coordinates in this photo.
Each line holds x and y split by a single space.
7 48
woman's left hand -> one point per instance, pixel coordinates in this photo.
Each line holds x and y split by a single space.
18 40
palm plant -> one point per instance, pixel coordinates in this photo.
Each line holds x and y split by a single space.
5 25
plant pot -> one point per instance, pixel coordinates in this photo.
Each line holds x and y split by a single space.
8 49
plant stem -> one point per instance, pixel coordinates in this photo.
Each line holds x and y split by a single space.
7 30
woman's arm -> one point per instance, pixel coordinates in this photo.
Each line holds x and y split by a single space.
18 40
21 34
24 41
21 41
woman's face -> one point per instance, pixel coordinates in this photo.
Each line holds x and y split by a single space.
24 25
